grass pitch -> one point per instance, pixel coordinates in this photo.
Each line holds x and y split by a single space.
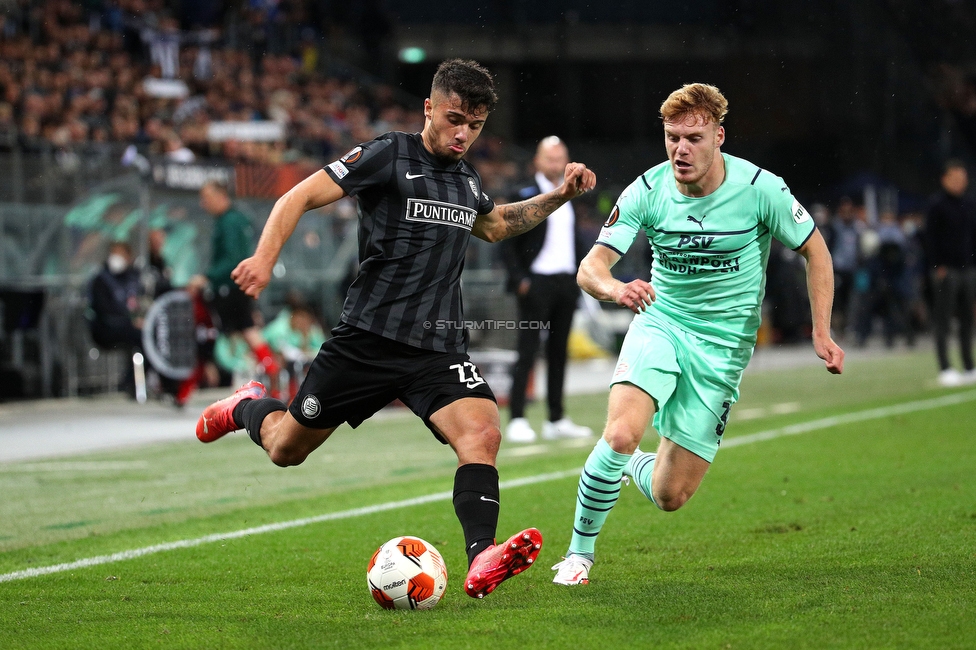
855 535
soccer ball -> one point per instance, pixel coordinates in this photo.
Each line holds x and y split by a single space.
406 573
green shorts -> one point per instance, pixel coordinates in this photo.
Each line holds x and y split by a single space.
693 382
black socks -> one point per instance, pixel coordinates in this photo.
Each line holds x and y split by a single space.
476 506
250 413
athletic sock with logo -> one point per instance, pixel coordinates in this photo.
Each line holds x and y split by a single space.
250 414
640 467
599 487
476 497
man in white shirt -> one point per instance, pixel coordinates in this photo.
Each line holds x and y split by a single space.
541 268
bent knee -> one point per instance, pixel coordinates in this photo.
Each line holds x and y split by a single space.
486 437
287 456
671 500
623 439
479 444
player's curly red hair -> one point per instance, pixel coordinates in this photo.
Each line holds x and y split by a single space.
701 100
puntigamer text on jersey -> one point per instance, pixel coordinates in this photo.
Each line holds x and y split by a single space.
438 212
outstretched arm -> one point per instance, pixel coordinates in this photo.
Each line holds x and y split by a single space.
820 286
594 278
253 274
513 219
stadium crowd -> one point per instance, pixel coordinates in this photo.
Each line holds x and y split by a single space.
134 72
131 71
77 75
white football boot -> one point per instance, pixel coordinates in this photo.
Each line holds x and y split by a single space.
573 570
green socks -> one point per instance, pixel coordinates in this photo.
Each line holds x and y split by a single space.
640 467
599 487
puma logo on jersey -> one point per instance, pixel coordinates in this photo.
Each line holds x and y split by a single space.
698 221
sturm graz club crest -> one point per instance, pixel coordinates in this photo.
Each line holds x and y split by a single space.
473 186
311 407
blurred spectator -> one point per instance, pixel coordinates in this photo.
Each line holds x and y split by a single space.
8 128
157 275
786 294
950 248
843 235
541 267
174 149
232 354
232 241
916 280
295 335
117 301
887 285
164 46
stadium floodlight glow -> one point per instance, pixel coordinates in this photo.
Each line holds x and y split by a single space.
412 55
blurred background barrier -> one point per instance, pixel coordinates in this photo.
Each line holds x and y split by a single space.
113 114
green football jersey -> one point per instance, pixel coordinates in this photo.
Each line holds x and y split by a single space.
710 252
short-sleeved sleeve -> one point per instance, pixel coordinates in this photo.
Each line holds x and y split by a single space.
787 220
365 165
624 222
485 203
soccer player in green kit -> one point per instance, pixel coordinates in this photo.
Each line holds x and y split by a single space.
709 218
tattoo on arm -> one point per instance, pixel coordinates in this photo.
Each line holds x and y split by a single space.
525 215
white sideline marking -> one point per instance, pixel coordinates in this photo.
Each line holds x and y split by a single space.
76 466
848 418
775 409
268 528
792 430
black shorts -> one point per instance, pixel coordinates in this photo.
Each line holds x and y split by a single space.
356 373
235 309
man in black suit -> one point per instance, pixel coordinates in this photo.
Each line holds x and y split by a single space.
950 246
541 268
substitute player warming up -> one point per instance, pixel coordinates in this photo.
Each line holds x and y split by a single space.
401 333
710 218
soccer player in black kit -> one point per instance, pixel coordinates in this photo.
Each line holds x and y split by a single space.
401 334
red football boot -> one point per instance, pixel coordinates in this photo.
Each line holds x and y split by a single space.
500 562
218 418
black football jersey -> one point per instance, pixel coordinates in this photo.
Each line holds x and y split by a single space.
415 220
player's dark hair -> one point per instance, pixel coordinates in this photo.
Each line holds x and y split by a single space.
472 83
